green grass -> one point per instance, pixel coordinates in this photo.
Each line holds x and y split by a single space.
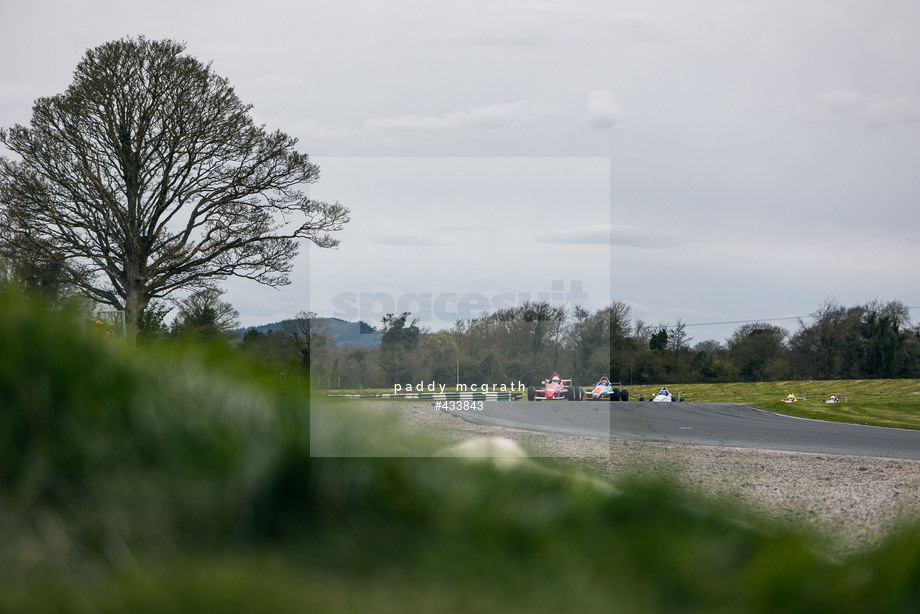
891 403
181 481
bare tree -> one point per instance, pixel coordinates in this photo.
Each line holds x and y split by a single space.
148 176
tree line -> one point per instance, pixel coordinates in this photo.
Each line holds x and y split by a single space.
528 342
525 344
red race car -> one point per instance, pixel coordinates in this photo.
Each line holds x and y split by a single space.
555 388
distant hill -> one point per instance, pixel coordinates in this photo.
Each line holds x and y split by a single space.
358 334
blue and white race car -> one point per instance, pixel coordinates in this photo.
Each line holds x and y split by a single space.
663 396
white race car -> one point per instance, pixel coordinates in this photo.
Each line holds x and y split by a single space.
604 390
663 396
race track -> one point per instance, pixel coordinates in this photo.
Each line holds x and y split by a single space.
717 424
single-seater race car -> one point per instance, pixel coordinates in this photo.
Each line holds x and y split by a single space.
555 388
833 399
604 390
663 396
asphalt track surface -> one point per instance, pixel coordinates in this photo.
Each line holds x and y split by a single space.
713 424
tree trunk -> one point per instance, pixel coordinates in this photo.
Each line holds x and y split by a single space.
135 303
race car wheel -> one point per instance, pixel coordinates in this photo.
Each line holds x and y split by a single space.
615 394
571 393
581 394
624 394
531 393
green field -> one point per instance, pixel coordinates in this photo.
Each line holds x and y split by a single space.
892 403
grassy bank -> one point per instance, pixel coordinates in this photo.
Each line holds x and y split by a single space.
179 480
891 403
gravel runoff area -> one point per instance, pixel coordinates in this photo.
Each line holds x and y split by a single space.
852 502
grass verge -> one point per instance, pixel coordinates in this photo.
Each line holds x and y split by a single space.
146 481
891 403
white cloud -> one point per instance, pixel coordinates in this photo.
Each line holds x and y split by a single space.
464 228
608 234
512 25
638 236
406 241
604 110
588 234
870 110
491 117
308 130
498 115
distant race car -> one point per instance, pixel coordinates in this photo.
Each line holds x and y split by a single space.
604 390
663 396
790 399
555 388
832 399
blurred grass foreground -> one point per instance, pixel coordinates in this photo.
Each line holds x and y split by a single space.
177 480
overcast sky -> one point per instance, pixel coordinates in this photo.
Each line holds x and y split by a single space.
711 161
